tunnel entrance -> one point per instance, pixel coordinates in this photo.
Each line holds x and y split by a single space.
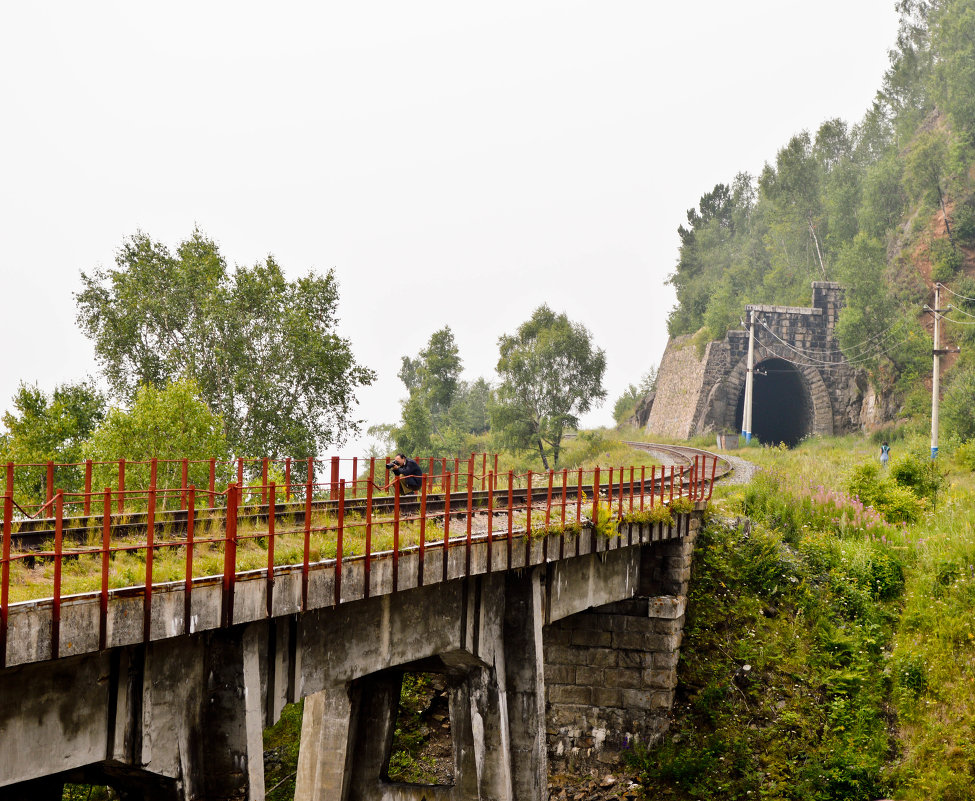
782 409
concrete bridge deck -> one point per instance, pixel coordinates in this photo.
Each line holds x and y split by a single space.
557 648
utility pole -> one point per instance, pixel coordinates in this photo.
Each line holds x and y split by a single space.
746 415
936 374
937 352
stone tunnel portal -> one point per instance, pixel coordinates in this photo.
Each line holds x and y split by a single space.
782 409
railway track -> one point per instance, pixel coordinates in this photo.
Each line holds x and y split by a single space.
34 535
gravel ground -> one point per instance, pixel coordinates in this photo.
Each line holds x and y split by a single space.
744 470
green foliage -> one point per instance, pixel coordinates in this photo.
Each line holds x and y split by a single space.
626 404
262 350
550 374
443 416
781 690
165 424
958 403
42 428
846 203
281 743
895 501
946 260
407 762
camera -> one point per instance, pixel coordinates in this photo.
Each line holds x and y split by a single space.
392 466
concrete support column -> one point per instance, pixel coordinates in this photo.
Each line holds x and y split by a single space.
490 738
525 684
232 732
324 756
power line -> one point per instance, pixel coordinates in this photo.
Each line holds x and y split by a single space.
833 363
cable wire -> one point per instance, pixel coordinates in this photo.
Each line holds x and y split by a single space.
956 294
832 363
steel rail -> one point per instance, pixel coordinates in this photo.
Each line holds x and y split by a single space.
35 534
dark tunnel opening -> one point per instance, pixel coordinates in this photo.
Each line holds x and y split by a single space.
782 410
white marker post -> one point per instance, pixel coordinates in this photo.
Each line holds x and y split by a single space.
746 417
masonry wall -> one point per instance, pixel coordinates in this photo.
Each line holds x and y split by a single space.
699 394
611 672
680 386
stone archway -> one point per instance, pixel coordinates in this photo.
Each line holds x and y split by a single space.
782 410
791 401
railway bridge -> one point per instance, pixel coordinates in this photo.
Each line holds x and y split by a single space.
552 608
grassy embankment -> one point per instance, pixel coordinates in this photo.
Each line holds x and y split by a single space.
829 652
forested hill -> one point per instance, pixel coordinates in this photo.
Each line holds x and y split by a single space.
885 206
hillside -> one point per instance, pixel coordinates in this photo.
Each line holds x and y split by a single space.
885 206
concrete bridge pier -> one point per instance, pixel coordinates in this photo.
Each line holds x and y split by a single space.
174 720
497 716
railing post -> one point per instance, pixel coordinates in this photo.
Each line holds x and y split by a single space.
714 469
595 505
511 511
643 484
446 520
671 483
339 535
528 509
240 476
619 502
264 473
632 468
333 489
484 470
307 542
272 513
105 555
121 485
355 476
230 556
188 570
495 471
8 518
56 601
49 492
150 554
395 536
87 487
490 523
184 482
423 528
367 567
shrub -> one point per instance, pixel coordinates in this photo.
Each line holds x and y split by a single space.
965 454
945 260
919 474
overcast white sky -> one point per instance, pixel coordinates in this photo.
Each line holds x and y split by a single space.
456 164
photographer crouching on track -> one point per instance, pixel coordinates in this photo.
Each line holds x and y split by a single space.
407 471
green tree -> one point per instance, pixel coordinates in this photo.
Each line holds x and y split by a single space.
442 414
627 403
958 402
168 424
435 372
550 374
262 350
42 428
925 171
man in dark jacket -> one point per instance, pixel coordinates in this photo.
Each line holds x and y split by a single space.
407 471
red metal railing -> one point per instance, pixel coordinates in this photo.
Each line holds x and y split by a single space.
349 528
35 483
